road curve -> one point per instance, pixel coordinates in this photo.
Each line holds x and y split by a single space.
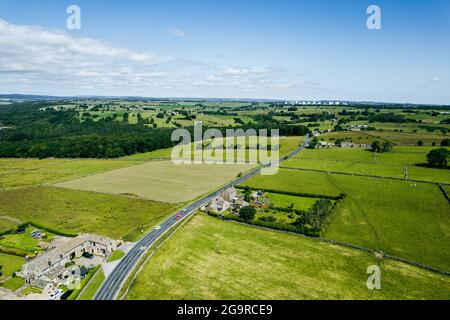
111 286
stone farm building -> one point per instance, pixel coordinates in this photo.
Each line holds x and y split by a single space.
354 145
49 268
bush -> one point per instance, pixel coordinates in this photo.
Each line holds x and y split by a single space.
438 158
247 213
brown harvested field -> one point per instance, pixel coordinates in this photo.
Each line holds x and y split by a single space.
160 181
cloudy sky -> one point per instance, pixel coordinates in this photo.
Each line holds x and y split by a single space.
228 49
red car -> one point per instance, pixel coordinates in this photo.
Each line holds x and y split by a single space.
179 216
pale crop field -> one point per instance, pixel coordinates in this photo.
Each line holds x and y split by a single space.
161 180
26 172
213 259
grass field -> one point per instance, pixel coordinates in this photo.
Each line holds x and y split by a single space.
160 181
13 284
287 145
350 136
410 139
8 223
10 264
23 242
395 171
83 212
404 219
295 181
285 201
212 259
401 218
359 161
26 172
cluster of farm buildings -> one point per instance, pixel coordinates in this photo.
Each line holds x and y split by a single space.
233 201
57 264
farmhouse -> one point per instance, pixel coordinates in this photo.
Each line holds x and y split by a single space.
354 145
229 200
50 267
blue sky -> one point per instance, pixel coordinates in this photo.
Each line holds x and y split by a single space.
312 49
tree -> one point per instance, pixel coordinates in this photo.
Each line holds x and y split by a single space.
247 213
445 143
386 147
247 194
420 143
438 158
376 146
314 143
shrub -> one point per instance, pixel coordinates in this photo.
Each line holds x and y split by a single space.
438 158
247 213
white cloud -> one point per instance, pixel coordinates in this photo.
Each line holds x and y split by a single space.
235 71
436 79
177 32
43 61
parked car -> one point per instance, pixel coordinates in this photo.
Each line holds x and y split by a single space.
88 255
55 295
66 295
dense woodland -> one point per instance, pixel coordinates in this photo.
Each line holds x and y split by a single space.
43 133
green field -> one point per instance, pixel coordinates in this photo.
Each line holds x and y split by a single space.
160 181
409 220
285 201
13 284
358 161
287 145
410 139
406 219
10 264
349 136
83 212
349 167
23 242
295 181
212 259
26 172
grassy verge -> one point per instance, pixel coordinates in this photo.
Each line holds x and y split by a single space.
116 255
93 286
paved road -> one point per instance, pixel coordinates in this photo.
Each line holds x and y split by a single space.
111 286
